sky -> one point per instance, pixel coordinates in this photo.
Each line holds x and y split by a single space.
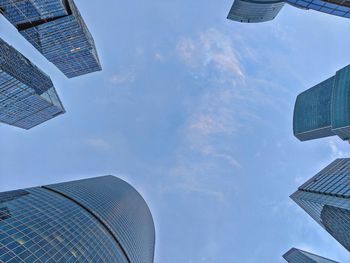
195 111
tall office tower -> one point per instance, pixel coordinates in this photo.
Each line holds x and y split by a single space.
326 198
254 11
299 256
323 110
27 96
57 30
101 219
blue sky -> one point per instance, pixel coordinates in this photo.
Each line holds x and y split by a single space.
196 112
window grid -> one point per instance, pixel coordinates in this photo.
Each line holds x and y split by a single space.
46 227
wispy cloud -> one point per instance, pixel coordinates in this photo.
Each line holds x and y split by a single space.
336 148
159 56
210 48
230 105
192 179
98 143
125 77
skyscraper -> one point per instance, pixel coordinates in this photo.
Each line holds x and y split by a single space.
100 219
323 110
299 256
57 30
27 96
253 11
326 198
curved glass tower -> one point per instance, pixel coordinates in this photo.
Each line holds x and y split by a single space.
254 11
299 256
323 110
326 198
100 219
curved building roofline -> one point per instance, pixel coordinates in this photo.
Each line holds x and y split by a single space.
120 208
254 11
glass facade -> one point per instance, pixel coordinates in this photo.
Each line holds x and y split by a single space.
312 112
336 221
57 30
332 7
27 96
326 198
299 256
105 194
254 11
323 110
341 104
101 219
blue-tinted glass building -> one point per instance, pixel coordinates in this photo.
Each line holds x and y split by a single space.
324 110
254 11
100 219
299 256
57 30
27 96
326 198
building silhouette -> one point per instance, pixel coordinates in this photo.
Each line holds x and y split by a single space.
295 255
323 110
326 198
100 219
27 96
57 30
254 11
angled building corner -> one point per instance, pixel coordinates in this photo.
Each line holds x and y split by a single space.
70 48
27 95
295 255
326 198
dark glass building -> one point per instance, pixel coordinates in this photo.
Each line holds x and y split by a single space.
27 96
326 198
100 219
57 30
299 256
323 110
254 11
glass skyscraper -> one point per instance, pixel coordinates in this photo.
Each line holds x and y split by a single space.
100 219
299 256
27 96
323 110
326 198
253 11
57 30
